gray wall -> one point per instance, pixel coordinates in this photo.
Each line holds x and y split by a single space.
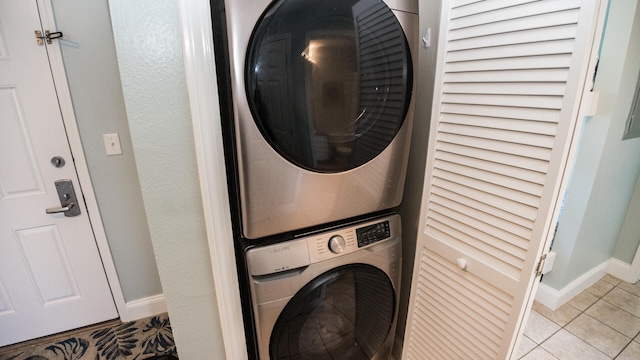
149 48
94 81
606 169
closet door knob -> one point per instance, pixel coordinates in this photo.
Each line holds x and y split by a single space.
462 264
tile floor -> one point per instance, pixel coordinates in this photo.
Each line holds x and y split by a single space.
602 322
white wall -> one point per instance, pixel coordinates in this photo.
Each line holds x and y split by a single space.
148 42
606 168
92 71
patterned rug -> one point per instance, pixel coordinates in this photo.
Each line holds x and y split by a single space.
144 339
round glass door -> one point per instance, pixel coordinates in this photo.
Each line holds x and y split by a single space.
344 314
328 82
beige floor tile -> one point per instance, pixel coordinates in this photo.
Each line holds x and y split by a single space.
526 345
561 316
624 300
566 346
598 335
615 317
612 279
539 354
539 328
583 300
600 288
632 288
631 352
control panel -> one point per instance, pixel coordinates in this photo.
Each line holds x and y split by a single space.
319 247
373 233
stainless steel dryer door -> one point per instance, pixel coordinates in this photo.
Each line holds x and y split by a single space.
323 130
328 82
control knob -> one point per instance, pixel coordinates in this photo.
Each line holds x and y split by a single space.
337 244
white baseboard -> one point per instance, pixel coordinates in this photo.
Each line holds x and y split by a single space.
553 298
622 271
145 307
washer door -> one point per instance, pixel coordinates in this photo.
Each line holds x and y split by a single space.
328 82
346 313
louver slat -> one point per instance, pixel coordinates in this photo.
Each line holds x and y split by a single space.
525 126
515 196
476 244
510 159
476 204
517 13
533 36
480 220
561 46
535 178
526 212
554 61
496 112
482 6
516 75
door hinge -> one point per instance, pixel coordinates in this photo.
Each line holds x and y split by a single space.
540 266
47 36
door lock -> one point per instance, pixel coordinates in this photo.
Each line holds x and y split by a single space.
48 36
68 202
57 161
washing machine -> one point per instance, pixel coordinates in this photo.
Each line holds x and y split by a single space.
323 109
328 295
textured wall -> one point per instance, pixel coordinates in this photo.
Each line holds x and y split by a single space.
92 71
149 48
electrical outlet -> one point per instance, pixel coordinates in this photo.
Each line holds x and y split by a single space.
112 144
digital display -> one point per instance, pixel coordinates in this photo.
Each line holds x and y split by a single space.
370 234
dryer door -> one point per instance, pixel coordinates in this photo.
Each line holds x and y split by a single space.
345 313
328 82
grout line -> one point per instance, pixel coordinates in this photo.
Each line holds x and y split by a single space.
581 312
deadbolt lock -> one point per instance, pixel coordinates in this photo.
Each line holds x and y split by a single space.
57 161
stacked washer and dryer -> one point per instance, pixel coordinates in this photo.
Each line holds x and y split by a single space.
322 102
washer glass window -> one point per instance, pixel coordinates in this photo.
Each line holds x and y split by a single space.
328 82
346 313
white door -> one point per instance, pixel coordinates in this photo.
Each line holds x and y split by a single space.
51 274
509 81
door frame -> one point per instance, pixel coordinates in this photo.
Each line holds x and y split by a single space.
200 73
75 144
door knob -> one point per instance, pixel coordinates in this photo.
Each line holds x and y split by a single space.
67 196
462 264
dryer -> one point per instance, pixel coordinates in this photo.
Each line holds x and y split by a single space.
323 109
328 295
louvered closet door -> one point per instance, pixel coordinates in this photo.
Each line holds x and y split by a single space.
508 85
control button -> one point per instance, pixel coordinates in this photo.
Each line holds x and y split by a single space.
337 244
